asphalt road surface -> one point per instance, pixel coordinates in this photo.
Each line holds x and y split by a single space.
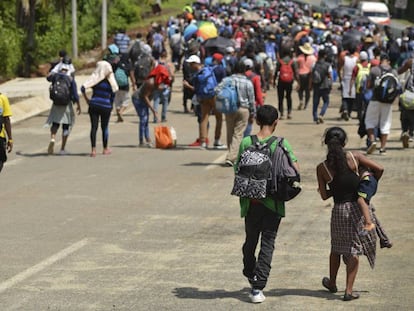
149 229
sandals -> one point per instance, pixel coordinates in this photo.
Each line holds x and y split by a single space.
107 151
351 296
326 282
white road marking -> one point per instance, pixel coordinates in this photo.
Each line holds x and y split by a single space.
42 265
219 160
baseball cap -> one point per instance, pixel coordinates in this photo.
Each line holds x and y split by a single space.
113 49
218 57
193 59
248 63
229 49
363 55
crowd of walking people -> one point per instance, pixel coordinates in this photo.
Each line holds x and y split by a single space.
257 46
284 45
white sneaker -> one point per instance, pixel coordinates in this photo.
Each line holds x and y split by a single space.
256 296
220 146
51 147
372 148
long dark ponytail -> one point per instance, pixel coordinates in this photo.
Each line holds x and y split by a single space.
335 139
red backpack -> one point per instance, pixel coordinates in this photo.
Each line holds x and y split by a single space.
286 71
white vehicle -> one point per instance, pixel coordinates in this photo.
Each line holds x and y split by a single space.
376 12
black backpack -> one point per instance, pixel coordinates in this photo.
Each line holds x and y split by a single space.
285 181
135 51
386 87
142 67
318 73
254 171
59 90
330 56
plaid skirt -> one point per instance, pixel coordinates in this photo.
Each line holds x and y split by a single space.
346 223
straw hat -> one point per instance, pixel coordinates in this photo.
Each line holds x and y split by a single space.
306 48
369 39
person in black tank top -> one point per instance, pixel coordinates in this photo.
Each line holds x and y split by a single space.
338 178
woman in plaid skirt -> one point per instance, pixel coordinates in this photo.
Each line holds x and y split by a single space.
338 178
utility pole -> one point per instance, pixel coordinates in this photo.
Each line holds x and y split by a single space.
74 29
104 20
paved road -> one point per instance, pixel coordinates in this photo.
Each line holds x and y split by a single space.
148 229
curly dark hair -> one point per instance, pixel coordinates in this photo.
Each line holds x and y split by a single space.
335 138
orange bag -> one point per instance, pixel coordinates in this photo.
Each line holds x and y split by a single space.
163 137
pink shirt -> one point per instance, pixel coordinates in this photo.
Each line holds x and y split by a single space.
305 64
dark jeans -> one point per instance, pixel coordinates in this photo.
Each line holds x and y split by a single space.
143 113
347 105
259 222
317 95
3 153
96 113
360 105
304 88
282 89
407 121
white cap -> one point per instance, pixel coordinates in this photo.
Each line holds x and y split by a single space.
363 55
229 49
248 63
193 59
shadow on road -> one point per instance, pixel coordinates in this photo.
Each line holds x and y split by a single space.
45 154
242 295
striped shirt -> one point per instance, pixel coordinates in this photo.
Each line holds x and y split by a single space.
122 41
102 95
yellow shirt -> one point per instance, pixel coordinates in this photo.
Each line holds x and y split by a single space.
5 111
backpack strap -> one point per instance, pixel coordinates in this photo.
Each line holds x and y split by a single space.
254 138
355 162
272 140
327 171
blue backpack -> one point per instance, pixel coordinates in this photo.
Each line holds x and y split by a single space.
226 96
205 83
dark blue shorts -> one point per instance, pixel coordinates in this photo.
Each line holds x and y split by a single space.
367 187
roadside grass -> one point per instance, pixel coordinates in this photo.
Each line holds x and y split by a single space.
169 8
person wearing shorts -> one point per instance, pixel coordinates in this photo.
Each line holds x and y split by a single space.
378 114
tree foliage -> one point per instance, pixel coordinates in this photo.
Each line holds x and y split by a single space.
33 31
